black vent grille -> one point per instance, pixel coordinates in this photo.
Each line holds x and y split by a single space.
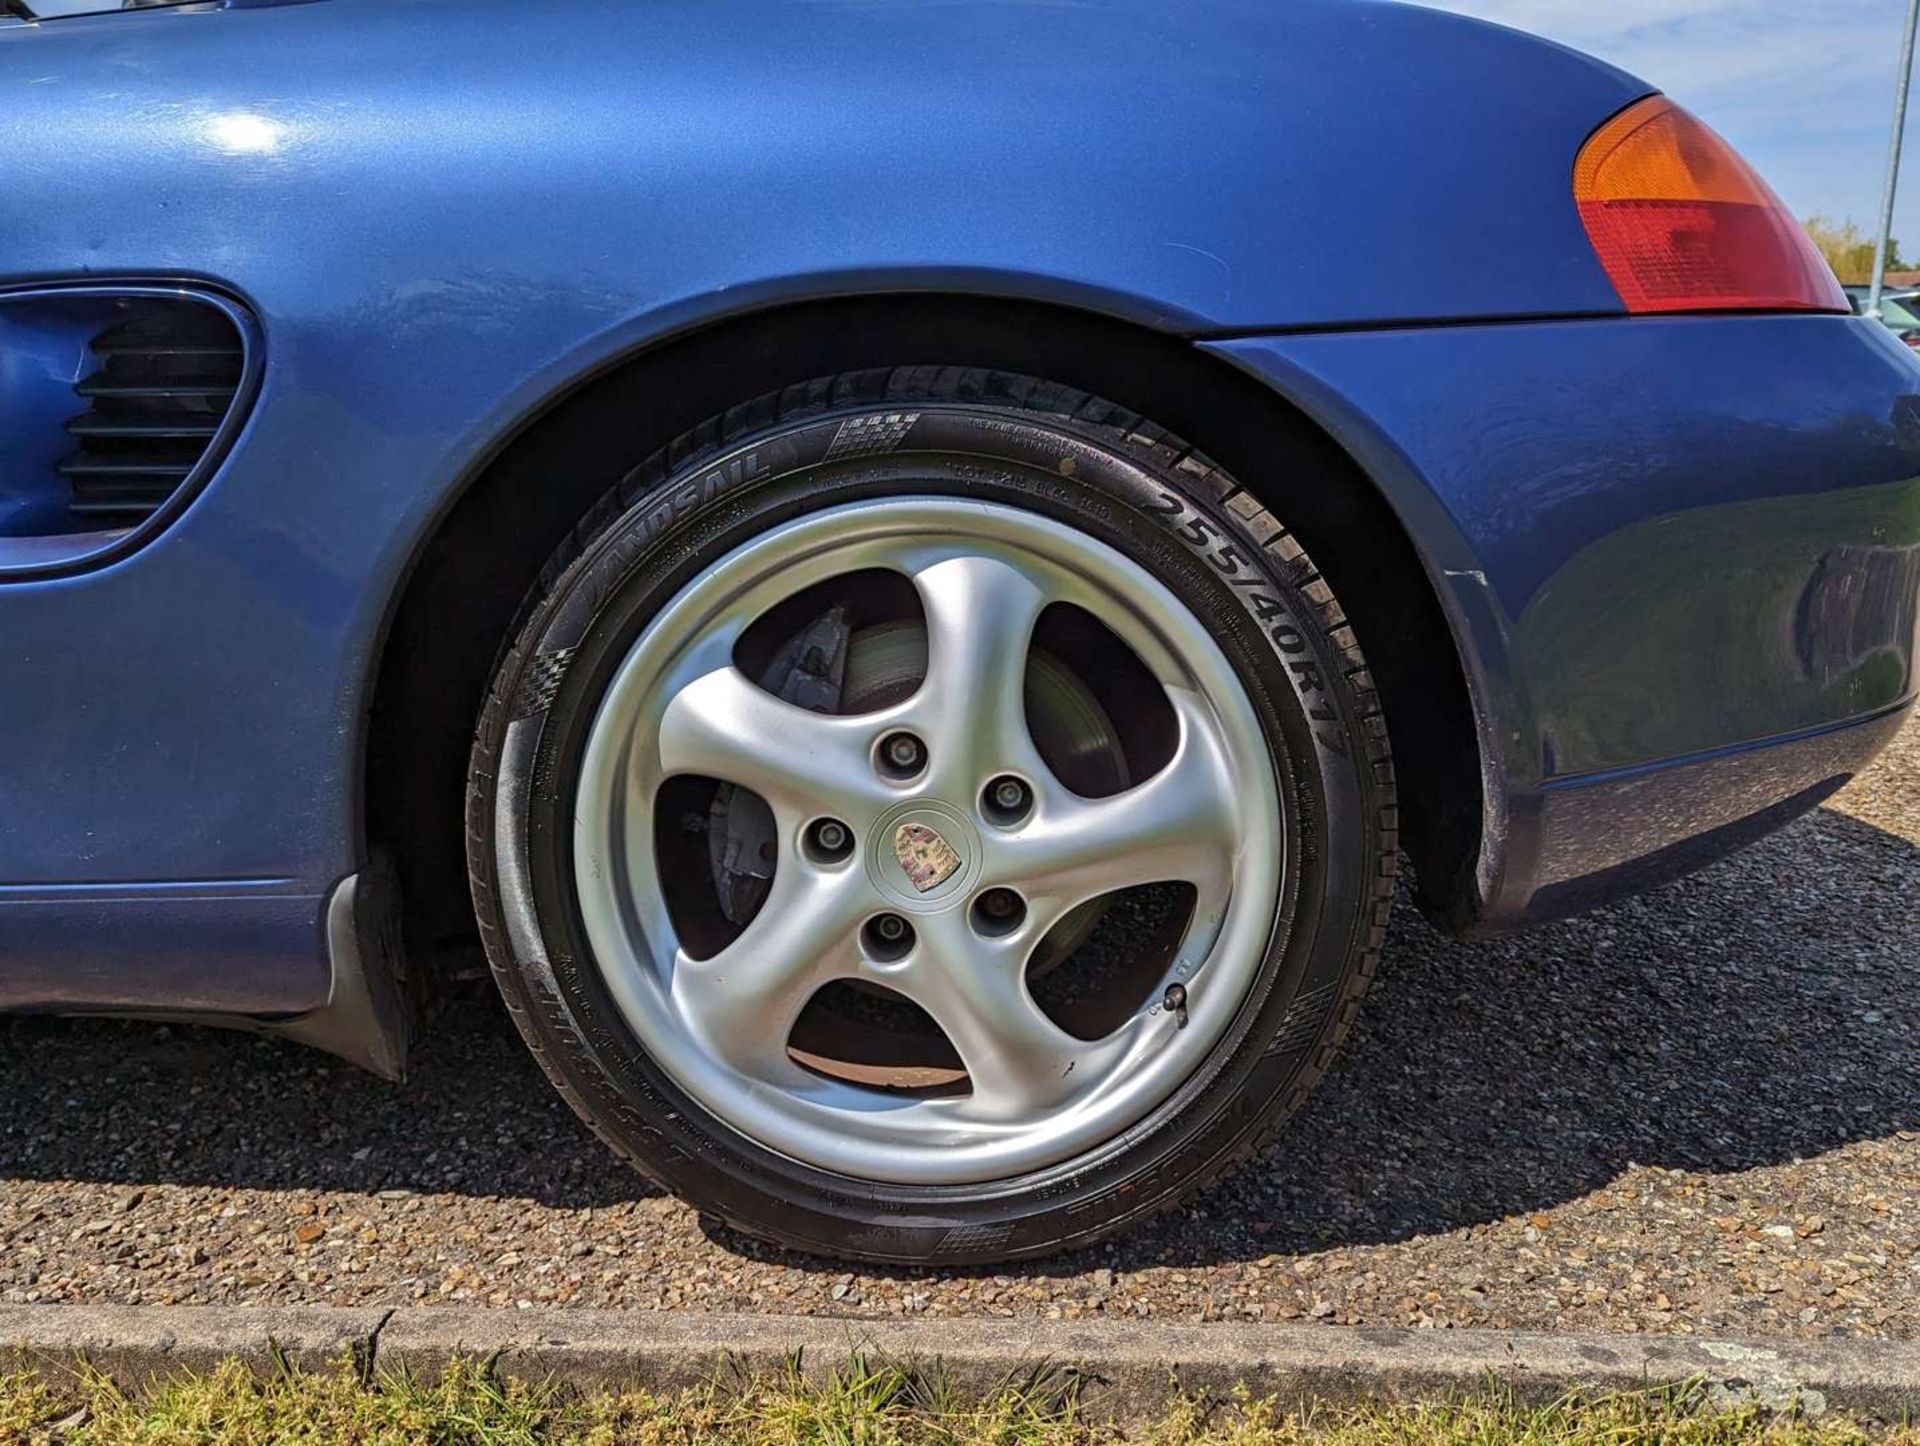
167 377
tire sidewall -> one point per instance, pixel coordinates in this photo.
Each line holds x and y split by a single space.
1164 509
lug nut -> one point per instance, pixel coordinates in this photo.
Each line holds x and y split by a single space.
887 937
829 840
902 754
1008 799
998 911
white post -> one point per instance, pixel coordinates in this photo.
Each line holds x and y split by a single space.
1893 163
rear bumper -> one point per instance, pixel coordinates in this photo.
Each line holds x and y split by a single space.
1578 842
1680 557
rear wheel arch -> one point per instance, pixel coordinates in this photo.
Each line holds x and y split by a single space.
467 581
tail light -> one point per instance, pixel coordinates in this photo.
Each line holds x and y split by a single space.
1681 223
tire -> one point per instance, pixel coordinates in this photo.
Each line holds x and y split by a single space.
1056 463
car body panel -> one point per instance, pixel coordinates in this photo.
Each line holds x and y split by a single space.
440 164
443 216
1661 538
220 946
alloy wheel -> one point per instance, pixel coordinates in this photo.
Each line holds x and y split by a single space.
924 847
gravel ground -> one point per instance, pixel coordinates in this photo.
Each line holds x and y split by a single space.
1698 1111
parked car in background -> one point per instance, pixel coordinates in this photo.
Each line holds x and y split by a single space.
898 567
1899 311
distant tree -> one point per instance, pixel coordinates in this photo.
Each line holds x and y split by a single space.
1848 249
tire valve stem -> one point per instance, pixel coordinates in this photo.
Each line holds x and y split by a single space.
1175 1003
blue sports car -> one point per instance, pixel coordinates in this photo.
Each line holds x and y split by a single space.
908 572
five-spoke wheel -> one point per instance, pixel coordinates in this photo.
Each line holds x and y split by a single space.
957 848
933 816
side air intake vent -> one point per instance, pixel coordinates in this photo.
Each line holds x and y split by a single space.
168 371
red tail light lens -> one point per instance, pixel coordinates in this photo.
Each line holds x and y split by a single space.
1681 223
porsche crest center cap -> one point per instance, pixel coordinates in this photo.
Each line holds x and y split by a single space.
926 858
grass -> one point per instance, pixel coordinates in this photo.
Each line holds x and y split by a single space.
862 1404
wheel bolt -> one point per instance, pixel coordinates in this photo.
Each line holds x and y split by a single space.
998 911
887 937
902 754
1008 799
829 839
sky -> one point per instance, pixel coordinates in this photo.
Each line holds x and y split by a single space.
1803 88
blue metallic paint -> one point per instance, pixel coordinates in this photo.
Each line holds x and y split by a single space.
239 946
445 215
1657 537
1622 550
